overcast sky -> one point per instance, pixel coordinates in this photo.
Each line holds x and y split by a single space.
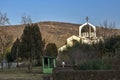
72 11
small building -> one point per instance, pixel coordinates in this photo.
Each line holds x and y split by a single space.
48 63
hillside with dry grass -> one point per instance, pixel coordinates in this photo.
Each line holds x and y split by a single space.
56 32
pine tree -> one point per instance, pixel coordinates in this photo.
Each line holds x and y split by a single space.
32 44
15 51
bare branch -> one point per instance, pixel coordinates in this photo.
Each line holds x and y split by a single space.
4 19
26 19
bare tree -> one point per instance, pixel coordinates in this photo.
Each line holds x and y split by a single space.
26 19
5 43
3 19
112 25
108 28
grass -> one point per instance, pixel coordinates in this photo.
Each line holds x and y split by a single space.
21 74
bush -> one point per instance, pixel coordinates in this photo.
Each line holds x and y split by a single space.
96 64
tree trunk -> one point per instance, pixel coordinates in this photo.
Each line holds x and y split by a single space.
17 64
17 57
9 65
30 63
2 58
2 64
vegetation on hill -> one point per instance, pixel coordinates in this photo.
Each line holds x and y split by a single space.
89 56
5 44
56 32
31 46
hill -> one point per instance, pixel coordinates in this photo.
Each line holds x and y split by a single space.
56 32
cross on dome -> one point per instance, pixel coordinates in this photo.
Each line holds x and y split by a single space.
87 30
87 18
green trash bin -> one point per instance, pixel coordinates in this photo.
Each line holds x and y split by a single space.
48 63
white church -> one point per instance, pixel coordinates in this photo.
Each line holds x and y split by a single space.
87 34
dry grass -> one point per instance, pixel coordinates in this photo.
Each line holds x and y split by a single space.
56 32
21 74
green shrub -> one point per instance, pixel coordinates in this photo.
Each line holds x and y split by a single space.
96 64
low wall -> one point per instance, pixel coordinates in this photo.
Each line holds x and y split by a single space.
70 74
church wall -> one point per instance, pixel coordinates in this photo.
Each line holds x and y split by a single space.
85 37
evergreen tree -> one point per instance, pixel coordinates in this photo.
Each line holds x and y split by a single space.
15 51
9 58
51 50
112 44
31 44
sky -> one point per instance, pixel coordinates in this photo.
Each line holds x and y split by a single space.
71 11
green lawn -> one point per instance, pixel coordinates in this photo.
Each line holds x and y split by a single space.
21 74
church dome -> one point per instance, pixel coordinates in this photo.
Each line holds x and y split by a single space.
87 30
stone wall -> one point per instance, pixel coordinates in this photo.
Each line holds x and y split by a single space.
70 74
